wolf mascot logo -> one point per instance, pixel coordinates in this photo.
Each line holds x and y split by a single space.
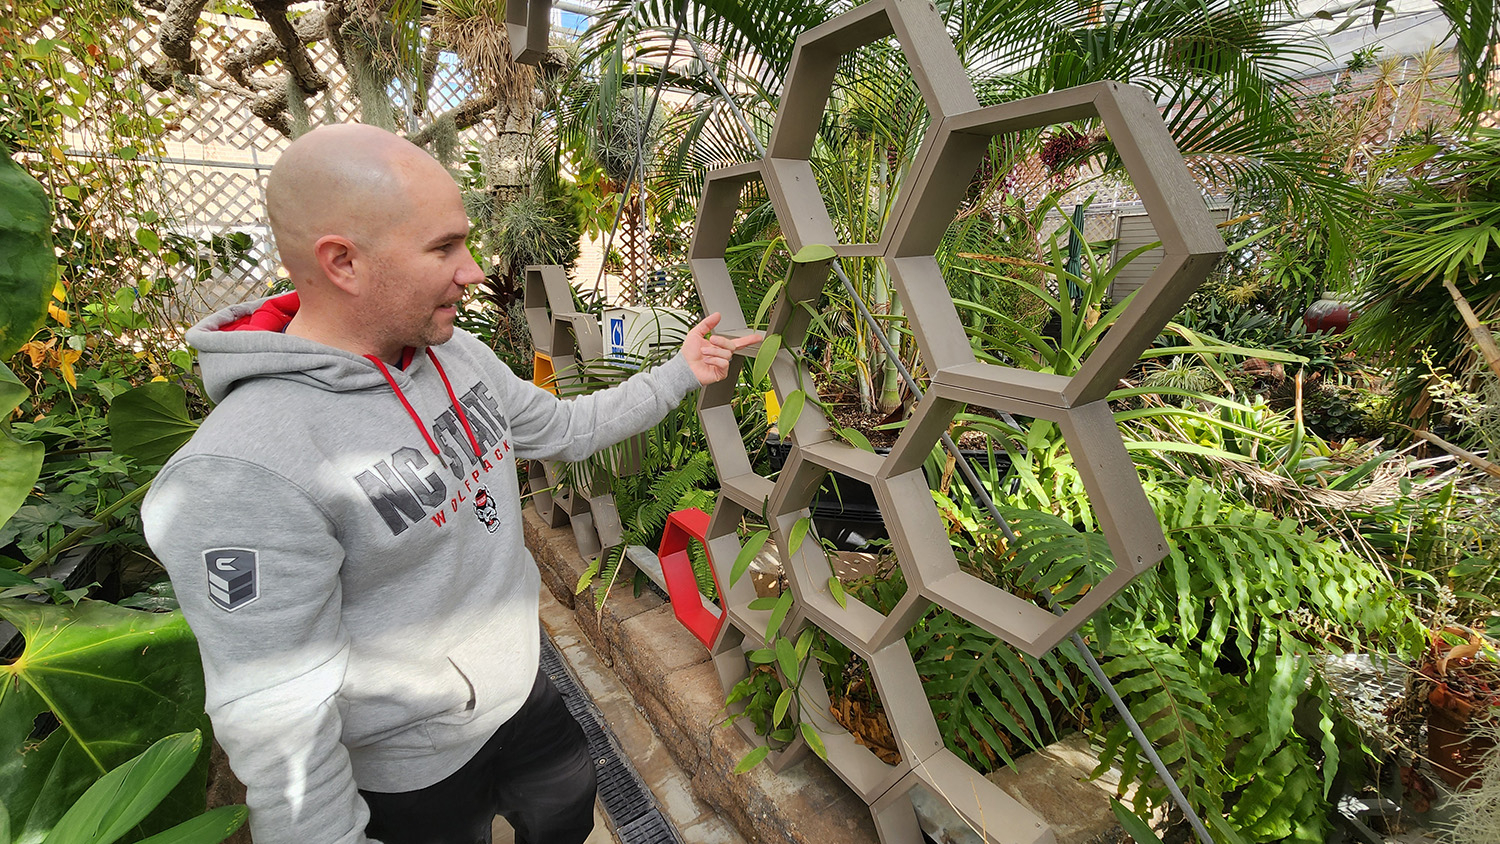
484 509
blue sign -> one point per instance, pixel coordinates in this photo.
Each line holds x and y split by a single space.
617 335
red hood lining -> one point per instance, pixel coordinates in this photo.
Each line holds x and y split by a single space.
276 313
273 315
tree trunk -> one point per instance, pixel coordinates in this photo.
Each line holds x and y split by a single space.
1481 333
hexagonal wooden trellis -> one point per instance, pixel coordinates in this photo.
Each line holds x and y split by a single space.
1191 243
1120 506
569 339
939 75
951 151
529 25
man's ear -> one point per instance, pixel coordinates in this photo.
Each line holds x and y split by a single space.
339 261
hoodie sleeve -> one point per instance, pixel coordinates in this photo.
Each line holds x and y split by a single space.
546 427
255 565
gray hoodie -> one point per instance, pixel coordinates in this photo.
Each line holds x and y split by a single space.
365 607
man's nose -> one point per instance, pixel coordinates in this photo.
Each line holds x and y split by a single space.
470 273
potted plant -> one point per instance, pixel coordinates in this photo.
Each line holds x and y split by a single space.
1461 671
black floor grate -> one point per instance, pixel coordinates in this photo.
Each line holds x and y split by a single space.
647 829
630 805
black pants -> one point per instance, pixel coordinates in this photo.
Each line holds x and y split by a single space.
535 771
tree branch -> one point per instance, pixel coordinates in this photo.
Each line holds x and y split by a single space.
464 115
1480 332
1468 457
179 24
307 77
310 28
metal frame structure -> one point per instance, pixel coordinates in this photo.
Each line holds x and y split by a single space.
958 136
529 25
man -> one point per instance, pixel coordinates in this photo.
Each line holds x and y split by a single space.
344 530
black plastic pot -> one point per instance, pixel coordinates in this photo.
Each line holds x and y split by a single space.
846 512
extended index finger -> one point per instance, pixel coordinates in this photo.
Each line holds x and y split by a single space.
735 343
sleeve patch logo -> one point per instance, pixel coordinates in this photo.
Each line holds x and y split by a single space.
231 577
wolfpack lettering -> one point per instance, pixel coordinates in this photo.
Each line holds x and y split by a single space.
405 489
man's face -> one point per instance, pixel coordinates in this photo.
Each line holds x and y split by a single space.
421 265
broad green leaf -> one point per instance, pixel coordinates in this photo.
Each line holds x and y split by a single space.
28 267
122 797
1132 823
148 240
814 252
762 604
783 701
210 827
20 462
814 741
150 422
763 358
791 410
751 759
799 533
116 680
747 555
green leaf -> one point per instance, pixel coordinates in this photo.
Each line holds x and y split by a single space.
786 660
778 613
587 578
20 462
747 554
762 604
210 827
767 301
783 701
28 266
751 759
761 656
763 358
799 533
836 587
125 795
814 252
856 439
148 240
116 680
804 644
814 741
1131 823
791 410
150 422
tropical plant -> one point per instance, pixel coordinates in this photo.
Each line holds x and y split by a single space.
115 804
1436 248
666 469
96 685
771 692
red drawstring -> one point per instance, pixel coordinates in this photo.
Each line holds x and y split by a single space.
457 407
453 399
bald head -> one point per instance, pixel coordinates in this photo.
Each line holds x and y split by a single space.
349 180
